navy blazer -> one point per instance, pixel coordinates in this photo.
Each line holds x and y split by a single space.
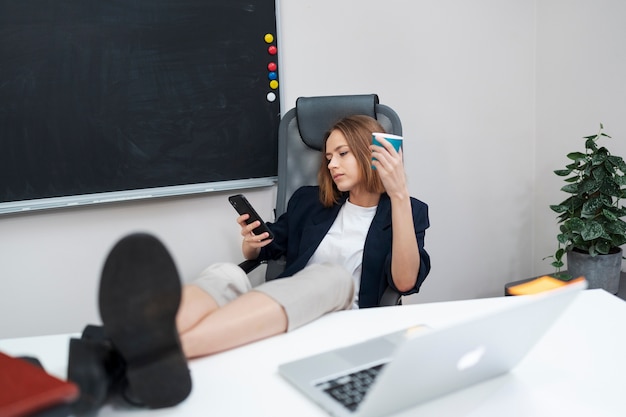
300 230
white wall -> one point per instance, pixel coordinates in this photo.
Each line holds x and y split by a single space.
461 74
50 262
581 82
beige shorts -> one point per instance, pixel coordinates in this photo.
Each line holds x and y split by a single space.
305 296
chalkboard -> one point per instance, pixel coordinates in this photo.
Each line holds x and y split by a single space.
110 96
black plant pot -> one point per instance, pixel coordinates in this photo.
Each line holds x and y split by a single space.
601 271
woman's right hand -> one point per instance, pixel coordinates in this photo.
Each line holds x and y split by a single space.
252 244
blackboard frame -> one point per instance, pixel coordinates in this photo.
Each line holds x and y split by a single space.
236 97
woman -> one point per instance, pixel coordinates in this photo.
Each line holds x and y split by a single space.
345 224
344 241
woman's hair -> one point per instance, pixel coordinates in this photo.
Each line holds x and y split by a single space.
358 133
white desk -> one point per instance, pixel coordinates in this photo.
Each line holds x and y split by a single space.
577 369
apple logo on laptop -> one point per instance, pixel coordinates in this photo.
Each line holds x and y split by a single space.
471 358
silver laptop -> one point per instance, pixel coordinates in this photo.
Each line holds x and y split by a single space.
403 369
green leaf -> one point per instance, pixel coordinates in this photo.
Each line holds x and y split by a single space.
599 173
570 188
616 226
615 160
606 200
563 276
603 247
590 143
563 172
592 206
620 180
592 230
576 156
559 208
559 254
619 163
589 185
609 214
598 159
603 151
618 240
608 187
557 264
575 224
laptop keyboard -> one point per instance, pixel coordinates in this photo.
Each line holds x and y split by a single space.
350 389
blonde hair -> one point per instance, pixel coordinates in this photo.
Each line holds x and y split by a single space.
358 133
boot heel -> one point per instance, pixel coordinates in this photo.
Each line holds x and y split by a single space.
87 370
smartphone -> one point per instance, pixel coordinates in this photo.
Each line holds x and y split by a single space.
243 206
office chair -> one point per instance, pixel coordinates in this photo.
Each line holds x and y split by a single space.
300 141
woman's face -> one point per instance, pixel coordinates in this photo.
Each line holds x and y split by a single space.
342 163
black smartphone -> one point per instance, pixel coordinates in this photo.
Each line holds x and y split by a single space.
243 206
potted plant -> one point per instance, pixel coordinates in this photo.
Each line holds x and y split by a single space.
592 229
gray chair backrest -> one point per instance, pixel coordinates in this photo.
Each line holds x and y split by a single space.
301 135
300 141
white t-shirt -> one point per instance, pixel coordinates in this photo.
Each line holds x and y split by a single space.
344 242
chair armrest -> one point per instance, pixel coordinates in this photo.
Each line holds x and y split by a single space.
250 265
390 298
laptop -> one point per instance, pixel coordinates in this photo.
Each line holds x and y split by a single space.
399 370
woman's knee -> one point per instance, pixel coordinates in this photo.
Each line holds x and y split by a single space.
223 281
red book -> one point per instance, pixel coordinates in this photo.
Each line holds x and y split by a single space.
26 388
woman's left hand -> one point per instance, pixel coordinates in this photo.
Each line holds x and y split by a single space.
390 167
405 257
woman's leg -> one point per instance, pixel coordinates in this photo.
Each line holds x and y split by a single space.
217 312
195 304
216 286
253 316
270 309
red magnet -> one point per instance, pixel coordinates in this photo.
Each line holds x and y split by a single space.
272 50
272 66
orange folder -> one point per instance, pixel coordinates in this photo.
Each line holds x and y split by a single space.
540 284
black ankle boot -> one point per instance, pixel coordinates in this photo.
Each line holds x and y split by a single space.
86 368
113 362
96 367
139 297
